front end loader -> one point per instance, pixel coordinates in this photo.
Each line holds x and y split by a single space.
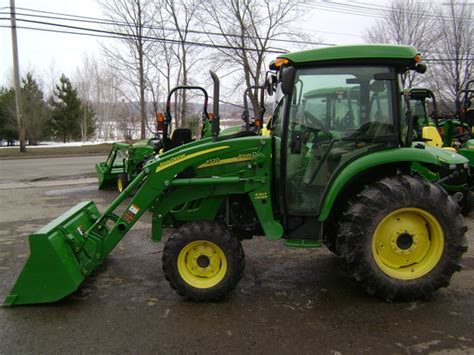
310 182
123 163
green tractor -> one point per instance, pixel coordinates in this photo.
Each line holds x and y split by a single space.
400 236
426 129
460 131
122 163
453 133
125 161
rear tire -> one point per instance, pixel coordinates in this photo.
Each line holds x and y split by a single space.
203 262
402 238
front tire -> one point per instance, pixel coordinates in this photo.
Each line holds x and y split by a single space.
402 238
122 182
203 262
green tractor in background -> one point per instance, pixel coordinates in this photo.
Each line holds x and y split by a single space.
400 236
451 133
460 131
125 161
426 129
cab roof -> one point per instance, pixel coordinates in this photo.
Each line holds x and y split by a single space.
399 54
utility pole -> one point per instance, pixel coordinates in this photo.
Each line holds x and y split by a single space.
16 75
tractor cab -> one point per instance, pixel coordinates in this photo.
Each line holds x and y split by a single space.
418 99
327 116
330 112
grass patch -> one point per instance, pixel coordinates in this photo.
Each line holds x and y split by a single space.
14 152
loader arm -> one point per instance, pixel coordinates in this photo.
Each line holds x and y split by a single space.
219 168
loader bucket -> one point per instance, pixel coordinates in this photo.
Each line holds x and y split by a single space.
107 177
109 170
53 269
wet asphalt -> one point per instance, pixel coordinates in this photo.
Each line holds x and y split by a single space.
289 300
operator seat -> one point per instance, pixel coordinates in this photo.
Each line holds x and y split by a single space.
431 136
179 137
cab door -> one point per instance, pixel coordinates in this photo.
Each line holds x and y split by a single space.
317 139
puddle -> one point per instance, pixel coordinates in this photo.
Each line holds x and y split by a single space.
70 190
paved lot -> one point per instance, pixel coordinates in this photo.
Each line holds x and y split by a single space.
37 169
289 300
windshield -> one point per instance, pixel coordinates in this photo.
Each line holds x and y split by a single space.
343 102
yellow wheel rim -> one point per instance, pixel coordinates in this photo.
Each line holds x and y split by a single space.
202 264
408 243
119 185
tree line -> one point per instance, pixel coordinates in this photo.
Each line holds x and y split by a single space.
444 35
165 43
62 117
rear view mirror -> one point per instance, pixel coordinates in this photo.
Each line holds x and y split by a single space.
377 86
420 68
287 80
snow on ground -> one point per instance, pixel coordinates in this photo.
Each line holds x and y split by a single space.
57 145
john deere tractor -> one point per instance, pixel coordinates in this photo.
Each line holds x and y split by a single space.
452 132
311 182
426 129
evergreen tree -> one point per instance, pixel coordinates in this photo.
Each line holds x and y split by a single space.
8 127
67 113
35 110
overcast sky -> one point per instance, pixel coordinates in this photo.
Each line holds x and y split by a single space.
53 53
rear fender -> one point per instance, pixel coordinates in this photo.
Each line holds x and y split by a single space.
401 156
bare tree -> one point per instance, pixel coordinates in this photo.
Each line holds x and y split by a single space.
182 16
84 86
162 60
410 22
247 28
134 19
454 58
99 87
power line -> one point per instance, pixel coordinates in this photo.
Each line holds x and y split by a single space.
102 21
122 35
378 11
434 60
118 35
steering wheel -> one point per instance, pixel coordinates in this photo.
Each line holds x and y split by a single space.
316 122
463 136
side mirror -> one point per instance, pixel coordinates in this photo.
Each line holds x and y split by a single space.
287 80
420 68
